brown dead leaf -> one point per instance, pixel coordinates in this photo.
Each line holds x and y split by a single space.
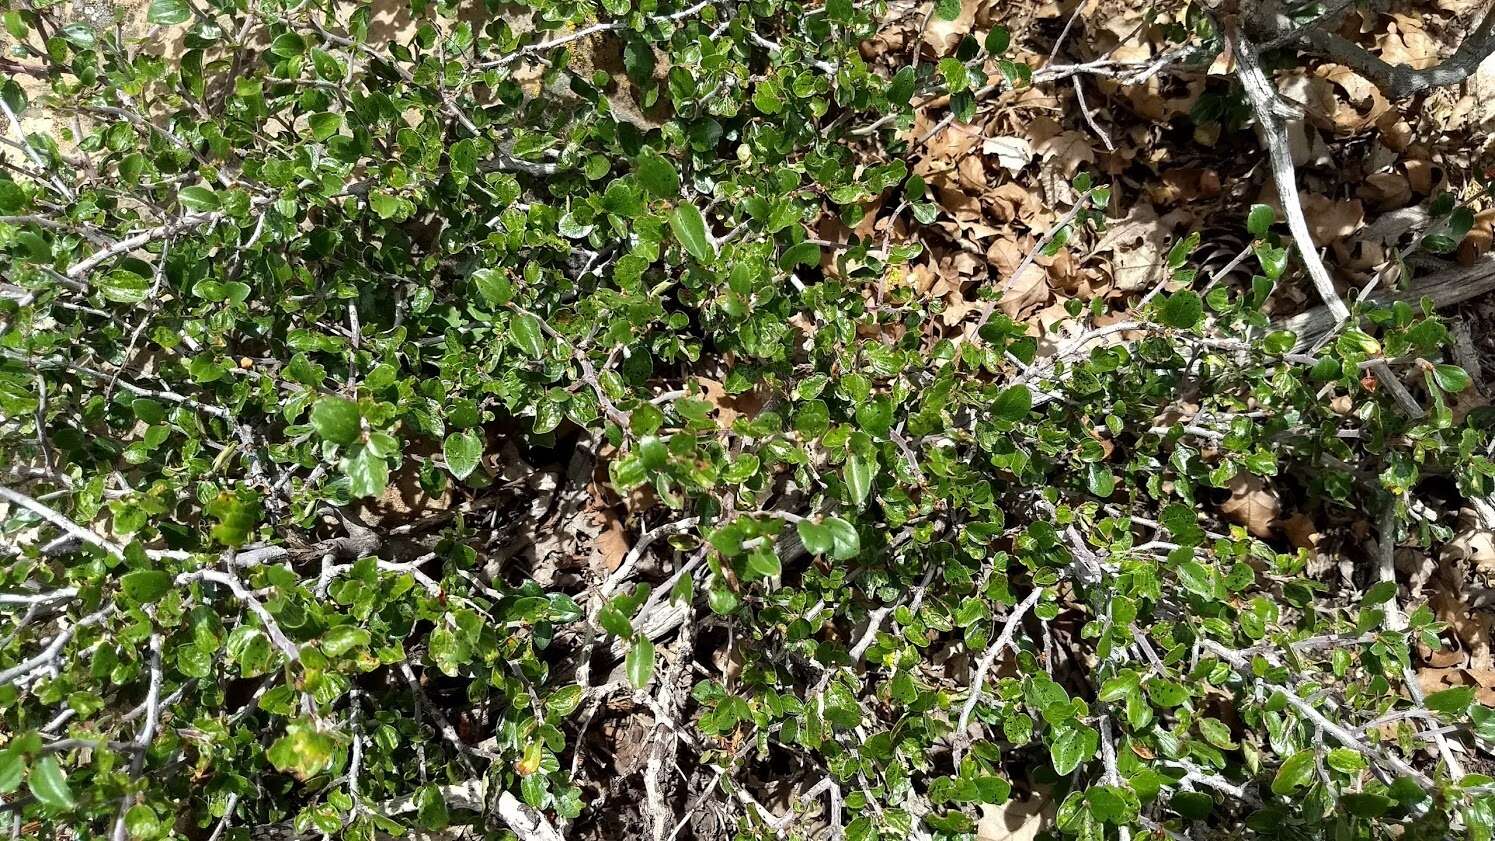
1015 820
1330 220
1387 190
611 543
1252 504
1406 42
941 36
1445 659
1137 245
1068 150
1479 239
1028 290
1011 153
730 407
1302 532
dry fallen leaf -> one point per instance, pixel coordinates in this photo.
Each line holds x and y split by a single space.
1012 153
941 36
1015 820
1252 504
1330 220
1137 244
611 543
1069 150
1302 532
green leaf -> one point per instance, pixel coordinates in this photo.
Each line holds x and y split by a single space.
463 451
1013 403
563 701
1297 771
766 98
48 783
997 40
845 542
947 9
800 254
957 75
763 562
324 125
1194 805
1273 260
1217 733
859 475
1178 255
640 662
1347 760
368 473
614 622
198 198
1451 378
344 638
528 335
384 204
1073 744
287 45
238 515
1099 480
464 157
304 751
123 286
1118 687
815 537
1196 578
901 88
16 25
1260 220
336 419
1366 805
12 767
658 175
690 229
1380 592
328 67
168 12
1167 693
1182 309
494 286
141 822
144 586
1451 702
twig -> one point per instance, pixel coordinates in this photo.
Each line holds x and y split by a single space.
188 221
1090 117
527 824
1270 111
147 733
15 125
56 519
1446 288
978 679
1399 81
1318 719
272 628
1064 222
1396 620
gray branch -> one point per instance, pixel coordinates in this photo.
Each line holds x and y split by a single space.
1399 81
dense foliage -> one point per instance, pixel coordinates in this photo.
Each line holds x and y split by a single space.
299 265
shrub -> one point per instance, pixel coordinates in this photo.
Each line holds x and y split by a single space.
300 263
